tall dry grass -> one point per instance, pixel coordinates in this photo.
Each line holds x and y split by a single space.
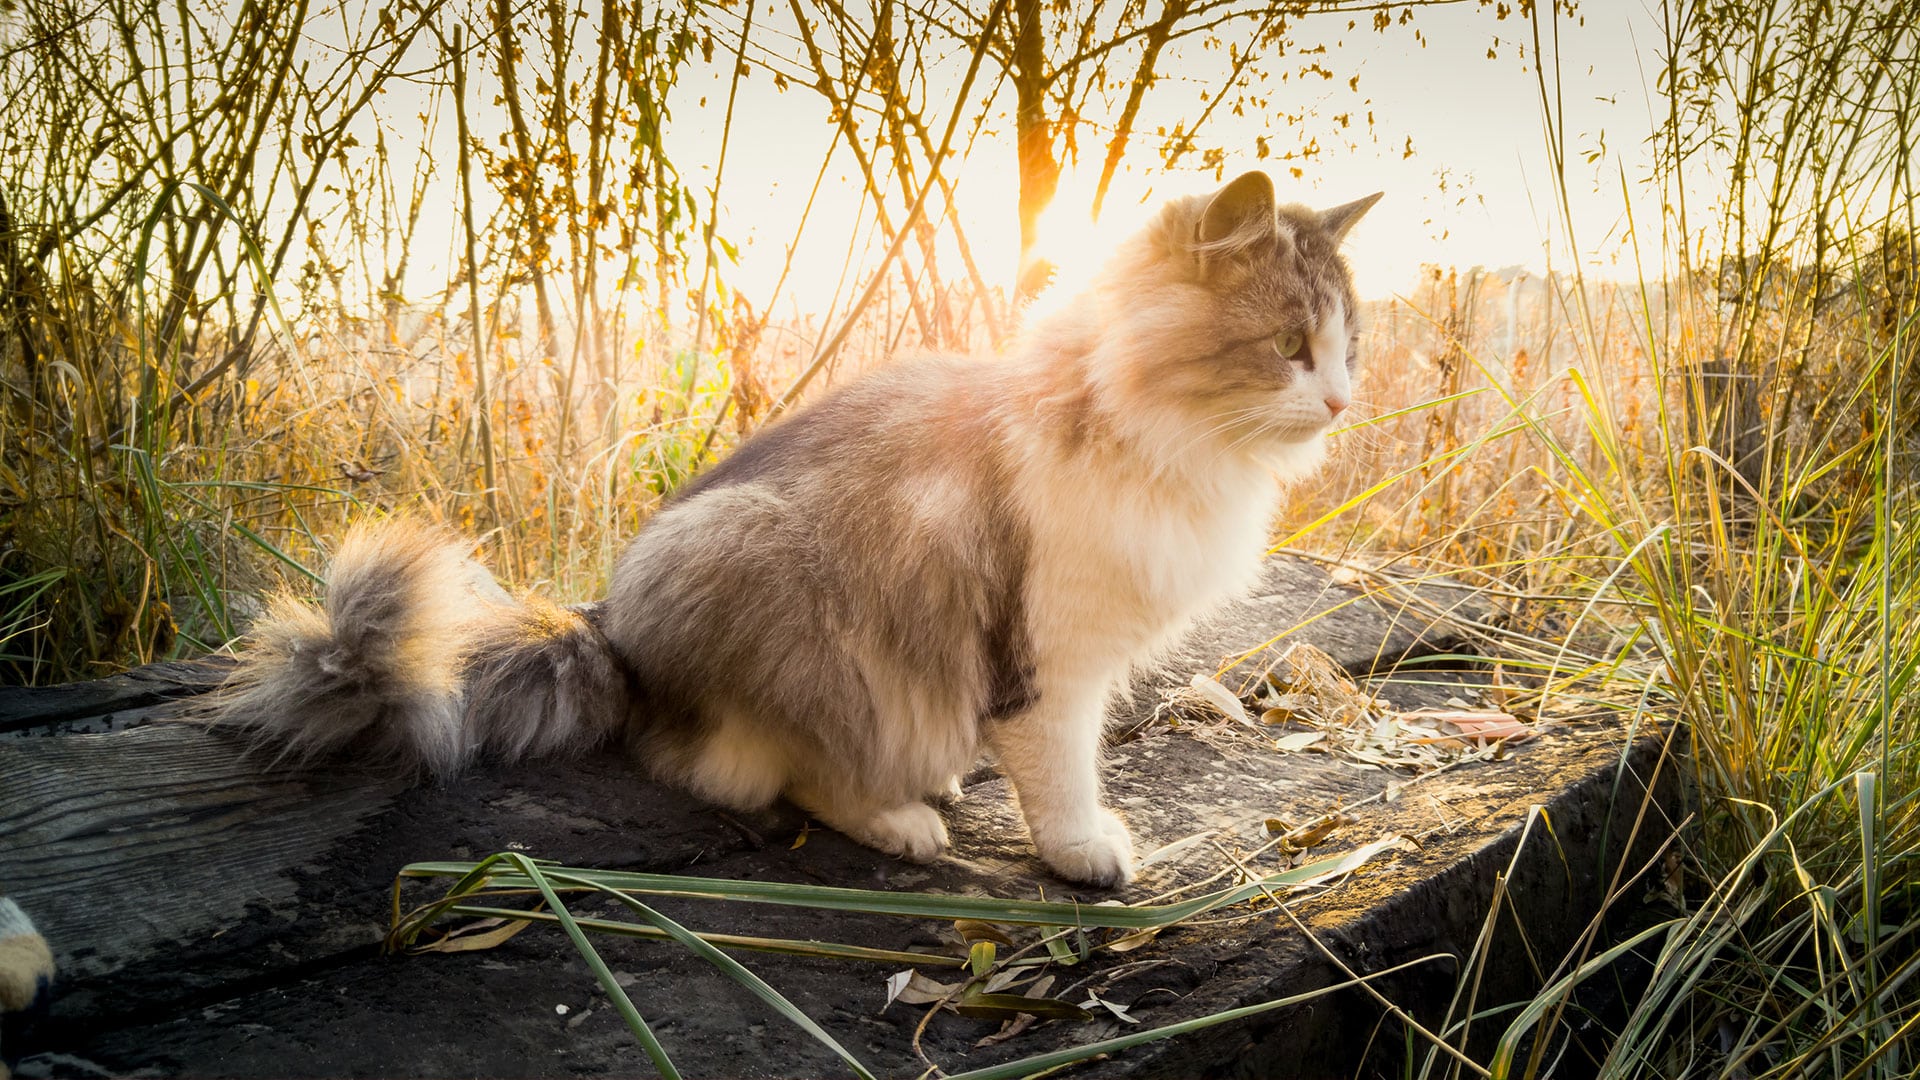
267 269
1708 478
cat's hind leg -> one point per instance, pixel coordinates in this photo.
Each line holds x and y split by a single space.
737 764
740 764
912 830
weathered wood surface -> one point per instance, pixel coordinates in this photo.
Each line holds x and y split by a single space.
79 708
213 917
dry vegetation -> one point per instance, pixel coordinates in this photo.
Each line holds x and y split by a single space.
216 353
234 318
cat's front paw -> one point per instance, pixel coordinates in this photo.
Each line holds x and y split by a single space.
912 831
1099 854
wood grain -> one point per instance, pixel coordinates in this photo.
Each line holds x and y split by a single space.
25 708
127 843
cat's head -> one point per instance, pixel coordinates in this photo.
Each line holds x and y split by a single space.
1228 325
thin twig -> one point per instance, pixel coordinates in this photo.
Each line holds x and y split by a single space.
833 343
483 406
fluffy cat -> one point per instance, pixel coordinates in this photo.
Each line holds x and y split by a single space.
942 554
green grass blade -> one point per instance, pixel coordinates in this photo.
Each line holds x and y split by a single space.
733 968
916 905
785 946
1523 1024
648 1040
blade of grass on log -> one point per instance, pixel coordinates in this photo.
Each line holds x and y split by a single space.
921 905
788 946
734 969
615 992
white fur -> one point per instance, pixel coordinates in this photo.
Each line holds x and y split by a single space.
1132 540
741 767
1329 376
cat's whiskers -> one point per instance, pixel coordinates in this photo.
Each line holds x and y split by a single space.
1261 430
1225 419
1173 447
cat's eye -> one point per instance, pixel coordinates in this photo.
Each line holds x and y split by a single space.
1288 343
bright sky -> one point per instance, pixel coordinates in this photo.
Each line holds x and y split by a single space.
1476 191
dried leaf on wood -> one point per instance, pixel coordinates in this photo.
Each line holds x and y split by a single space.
1118 1012
475 936
1134 940
1314 832
1297 741
1225 701
1005 1006
912 988
972 930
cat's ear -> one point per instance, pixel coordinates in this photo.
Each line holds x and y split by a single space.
1341 218
1238 216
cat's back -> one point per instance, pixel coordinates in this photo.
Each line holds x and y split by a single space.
925 422
891 487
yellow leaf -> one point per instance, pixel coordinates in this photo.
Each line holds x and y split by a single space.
972 930
981 957
476 936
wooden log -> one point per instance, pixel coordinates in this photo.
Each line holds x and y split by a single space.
215 916
79 707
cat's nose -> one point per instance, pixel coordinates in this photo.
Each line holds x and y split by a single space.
1336 406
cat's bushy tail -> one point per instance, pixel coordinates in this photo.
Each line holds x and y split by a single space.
418 659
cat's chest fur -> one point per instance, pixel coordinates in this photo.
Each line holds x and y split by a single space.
1120 570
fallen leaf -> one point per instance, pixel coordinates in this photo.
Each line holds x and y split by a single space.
972 930
1358 857
1222 699
1445 742
992 1006
475 936
912 988
1494 726
1118 1012
1385 730
1008 1030
1001 979
1481 725
1315 832
1299 740
1129 942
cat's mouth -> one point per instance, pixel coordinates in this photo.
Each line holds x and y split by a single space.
1290 427
1260 429
1304 434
